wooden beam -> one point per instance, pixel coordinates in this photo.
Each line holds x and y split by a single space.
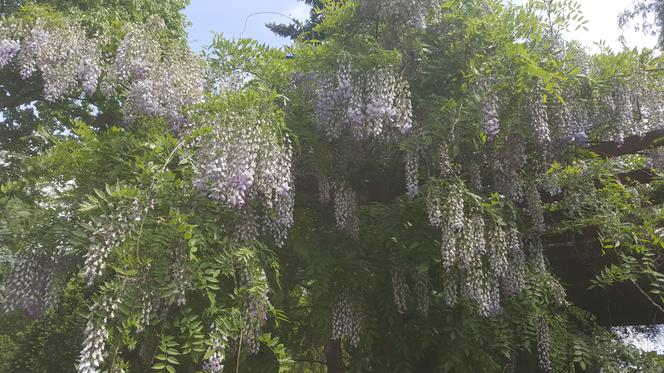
631 145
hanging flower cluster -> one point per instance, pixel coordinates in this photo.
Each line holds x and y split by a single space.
8 50
450 220
536 252
490 106
479 263
180 274
412 174
514 280
539 119
161 81
498 267
151 305
324 189
34 281
622 111
364 105
507 169
63 55
399 286
345 210
93 354
216 352
444 161
534 207
255 307
573 120
109 232
543 342
346 319
243 160
450 287
422 292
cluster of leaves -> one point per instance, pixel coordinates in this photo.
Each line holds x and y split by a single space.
176 283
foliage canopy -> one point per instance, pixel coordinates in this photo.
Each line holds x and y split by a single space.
389 195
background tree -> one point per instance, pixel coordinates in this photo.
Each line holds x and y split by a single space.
306 30
646 16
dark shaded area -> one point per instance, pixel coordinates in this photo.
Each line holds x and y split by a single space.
576 258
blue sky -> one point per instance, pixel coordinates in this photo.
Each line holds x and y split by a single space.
228 17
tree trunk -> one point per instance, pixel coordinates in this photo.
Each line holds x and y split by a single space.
334 357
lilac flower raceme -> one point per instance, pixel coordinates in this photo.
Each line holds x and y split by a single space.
347 319
216 352
399 286
539 119
242 160
64 56
93 354
481 262
370 106
34 281
8 50
412 166
345 209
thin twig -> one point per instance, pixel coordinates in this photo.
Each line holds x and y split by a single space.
239 350
648 296
259 13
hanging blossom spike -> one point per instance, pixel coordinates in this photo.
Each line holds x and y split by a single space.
539 119
449 220
534 207
346 320
244 161
448 242
216 352
399 286
327 107
412 166
93 354
8 50
445 161
498 267
471 246
491 126
161 80
450 287
111 232
324 189
63 54
381 92
255 307
455 205
536 253
422 292
514 280
372 107
434 211
34 281
181 274
345 210
543 344
507 169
